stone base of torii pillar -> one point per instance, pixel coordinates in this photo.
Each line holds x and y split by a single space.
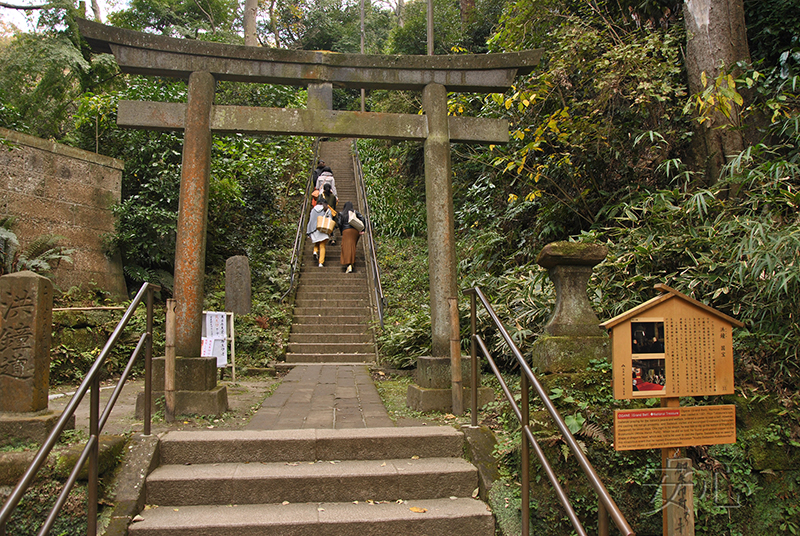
432 390
196 389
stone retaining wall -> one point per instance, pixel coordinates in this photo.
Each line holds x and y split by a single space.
57 189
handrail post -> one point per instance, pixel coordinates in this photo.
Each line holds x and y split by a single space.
94 417
455 360
169 362
526 458
473 350
602 519
148 365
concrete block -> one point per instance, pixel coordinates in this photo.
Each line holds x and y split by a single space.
434 372
568 354
422 399
191 373
29 428
210 402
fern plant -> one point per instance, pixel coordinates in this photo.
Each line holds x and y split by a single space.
42 255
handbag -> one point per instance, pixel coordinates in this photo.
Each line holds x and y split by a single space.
354 222
325 224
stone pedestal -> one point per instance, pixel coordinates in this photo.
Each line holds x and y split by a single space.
196 389
238 291
26 323
573 336
432 391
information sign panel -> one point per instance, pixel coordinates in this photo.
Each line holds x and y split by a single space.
657 428
671 346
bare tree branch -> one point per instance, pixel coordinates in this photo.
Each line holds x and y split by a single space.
24 8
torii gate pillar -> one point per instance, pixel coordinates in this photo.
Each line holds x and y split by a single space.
441 220
195 382
190 248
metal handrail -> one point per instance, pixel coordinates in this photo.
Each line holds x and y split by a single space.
361 189
300 235
606 505
96 422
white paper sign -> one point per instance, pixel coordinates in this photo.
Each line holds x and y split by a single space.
214 342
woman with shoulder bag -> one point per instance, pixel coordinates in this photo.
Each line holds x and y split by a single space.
317 235
350 234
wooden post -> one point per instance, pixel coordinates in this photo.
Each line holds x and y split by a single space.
666 454
455 359
679 497
169 362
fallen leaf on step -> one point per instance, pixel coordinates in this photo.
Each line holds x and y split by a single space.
418 510
355 502
285 503
453 497
370 501
174 509
136 518
449 416
320 509
383 464
475 493
415 457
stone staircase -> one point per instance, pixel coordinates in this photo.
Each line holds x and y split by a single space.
332 313
368 481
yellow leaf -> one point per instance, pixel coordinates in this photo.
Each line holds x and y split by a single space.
703 79
418 509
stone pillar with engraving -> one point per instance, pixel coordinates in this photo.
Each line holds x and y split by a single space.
238 286
26 312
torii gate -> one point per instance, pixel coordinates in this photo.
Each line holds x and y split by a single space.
202 63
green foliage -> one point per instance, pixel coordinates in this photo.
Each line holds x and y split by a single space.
394 196
42 255
173 18
452 28
336 26
773 33
572 130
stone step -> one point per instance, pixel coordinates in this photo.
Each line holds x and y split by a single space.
330 345
321 292
334 301
331 358
324 338
318 481
338 320
329 313
435 517
327 329
228 446
332 277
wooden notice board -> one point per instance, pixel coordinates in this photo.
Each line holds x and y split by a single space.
657 428
671 346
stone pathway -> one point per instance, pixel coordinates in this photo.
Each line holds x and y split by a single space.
323 396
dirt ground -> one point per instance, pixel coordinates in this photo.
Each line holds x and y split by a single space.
244 398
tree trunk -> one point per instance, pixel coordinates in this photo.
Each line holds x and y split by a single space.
466 7
716 38
250 36
98 17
